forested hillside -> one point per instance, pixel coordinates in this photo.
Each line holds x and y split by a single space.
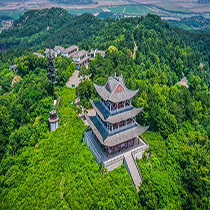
31 30
197 23
41 170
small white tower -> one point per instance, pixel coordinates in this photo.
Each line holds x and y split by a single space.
53 120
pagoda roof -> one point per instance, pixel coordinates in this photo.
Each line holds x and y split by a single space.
106 116
115 90
116 138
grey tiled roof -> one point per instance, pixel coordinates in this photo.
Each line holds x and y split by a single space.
39 55
79 54
103 53
96 51
117 117
109 94
83 60
49 50
116 138
69 49
58 47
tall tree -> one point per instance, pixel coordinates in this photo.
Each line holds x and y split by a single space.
51 71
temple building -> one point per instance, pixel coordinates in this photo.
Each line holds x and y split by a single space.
80 58
68 52
93 53
114 135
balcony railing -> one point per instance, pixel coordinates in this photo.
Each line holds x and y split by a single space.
116 130
117 109
120 109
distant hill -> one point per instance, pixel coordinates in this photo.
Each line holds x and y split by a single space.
197 23
64 29
204 1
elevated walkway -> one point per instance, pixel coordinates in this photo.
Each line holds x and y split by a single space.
133 170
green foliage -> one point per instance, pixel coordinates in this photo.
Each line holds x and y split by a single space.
60 172
30 62
65 68
6 78
84 91
20 108
196 23
175 171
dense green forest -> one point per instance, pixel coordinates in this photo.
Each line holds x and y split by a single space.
40 169
30 30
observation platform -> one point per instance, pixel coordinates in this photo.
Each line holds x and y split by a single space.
113 161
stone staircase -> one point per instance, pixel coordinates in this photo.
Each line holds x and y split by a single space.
133 170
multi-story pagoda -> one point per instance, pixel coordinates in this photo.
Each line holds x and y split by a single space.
113 130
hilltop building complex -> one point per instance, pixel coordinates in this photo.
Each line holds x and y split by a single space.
81 58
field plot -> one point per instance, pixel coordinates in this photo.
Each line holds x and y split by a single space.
139 10
116 9
131 9
127 9
179 6
86 10
173 6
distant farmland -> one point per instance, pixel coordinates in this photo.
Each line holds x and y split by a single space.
127 9
167 9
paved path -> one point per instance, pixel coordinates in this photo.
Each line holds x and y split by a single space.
133 170
91 112
74 80
135 49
